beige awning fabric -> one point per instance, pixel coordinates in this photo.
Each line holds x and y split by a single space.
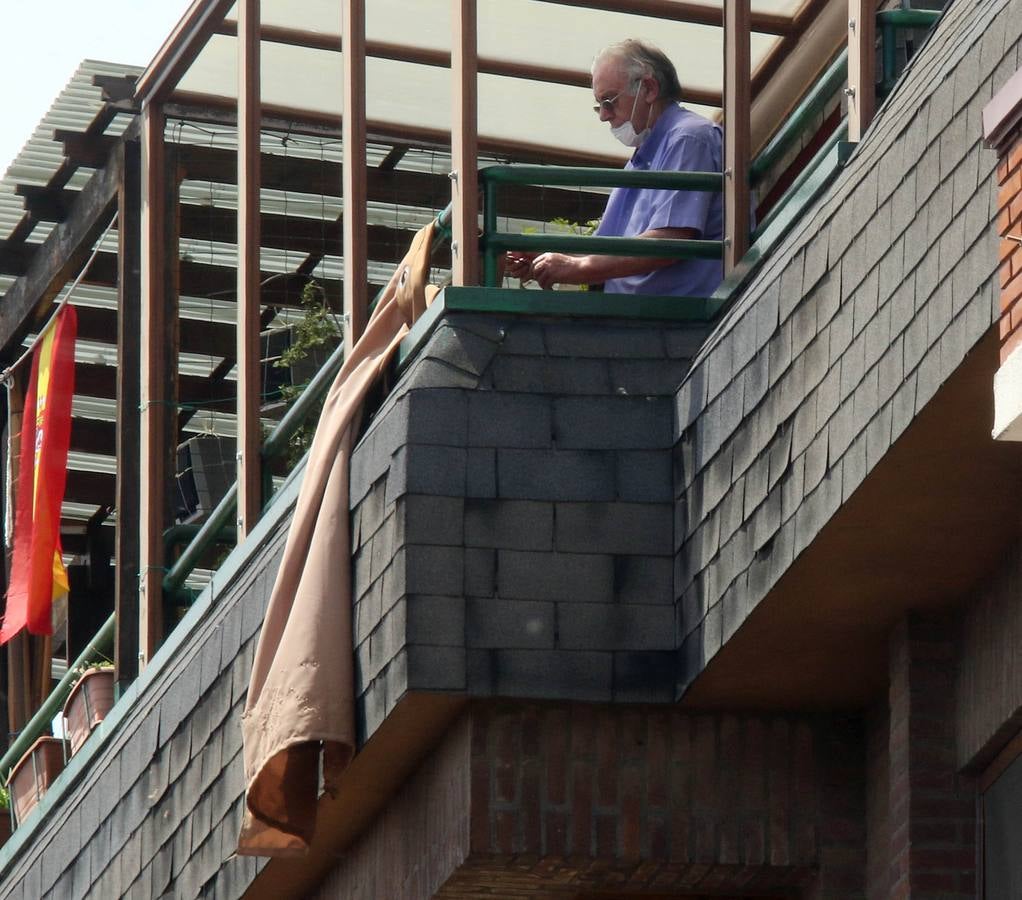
301 692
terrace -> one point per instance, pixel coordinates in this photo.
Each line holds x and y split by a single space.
197 198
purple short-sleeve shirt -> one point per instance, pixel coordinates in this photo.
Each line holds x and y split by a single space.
680 141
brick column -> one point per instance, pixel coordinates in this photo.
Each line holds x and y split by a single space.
1002 129
931 820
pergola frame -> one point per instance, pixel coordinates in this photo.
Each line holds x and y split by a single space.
150 439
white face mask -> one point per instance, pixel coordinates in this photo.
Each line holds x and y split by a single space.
626 132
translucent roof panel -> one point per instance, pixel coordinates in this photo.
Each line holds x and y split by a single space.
409 97
324 16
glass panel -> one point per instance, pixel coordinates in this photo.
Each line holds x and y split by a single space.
1002 835
530 31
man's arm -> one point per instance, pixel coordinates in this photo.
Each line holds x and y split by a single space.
549 269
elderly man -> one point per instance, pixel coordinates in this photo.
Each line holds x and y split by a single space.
636 89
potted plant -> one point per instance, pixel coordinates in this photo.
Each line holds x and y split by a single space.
34 773
91 698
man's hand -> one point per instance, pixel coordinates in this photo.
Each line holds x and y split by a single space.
517 264
549 269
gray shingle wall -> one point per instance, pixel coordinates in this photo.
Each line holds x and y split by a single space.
513 514
846 334
157 814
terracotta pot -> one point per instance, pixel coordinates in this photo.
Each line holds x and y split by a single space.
34 773
87 704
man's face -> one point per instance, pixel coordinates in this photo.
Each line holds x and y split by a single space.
611 81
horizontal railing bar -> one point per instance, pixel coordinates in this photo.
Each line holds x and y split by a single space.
795 125
610 246
581 176
218 519
908 18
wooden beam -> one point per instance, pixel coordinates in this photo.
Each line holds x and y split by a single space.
128 450
355 190
103 381
100 489
464 143
220 282
197 336
249 122
180 50
95 436
674 11
737 130
399 186
159 364
46 204
861 66
61 256
214 109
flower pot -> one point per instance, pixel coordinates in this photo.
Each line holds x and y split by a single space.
34 773
87 704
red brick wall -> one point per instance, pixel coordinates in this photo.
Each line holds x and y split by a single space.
1009 222
655 799
528 800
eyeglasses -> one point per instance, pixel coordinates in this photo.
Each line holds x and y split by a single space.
607 105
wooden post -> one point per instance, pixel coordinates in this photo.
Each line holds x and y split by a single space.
464 144
737 130
354 191
158 390
861 66
126 555
249 122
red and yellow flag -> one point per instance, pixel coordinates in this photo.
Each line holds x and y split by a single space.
37 570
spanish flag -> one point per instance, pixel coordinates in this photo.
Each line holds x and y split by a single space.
37 570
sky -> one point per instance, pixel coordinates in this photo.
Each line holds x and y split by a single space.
43 41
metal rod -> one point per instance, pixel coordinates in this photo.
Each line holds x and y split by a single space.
609 246
276 443
581 176
813 104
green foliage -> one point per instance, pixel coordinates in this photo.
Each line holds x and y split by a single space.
5 799
582 229
100 662
318 329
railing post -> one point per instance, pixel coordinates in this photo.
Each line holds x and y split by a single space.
249 122
464 144
126 556
737 130
861 66
158 406
353 189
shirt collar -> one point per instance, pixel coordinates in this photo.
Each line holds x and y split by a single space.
643 155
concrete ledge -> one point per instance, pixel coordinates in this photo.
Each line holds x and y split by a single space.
1008 398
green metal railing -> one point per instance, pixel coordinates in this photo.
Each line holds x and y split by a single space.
801 118
494 241
891 21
